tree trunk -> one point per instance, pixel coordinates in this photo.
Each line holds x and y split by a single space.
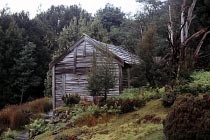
21 97
179 50
170 27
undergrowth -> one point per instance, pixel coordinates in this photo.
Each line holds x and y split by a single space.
146 94
16 116
94 124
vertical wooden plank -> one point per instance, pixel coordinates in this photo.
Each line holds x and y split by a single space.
84 51
53 87
63 84
129 77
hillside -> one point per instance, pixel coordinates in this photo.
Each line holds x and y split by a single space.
145 124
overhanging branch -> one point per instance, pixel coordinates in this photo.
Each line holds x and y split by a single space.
196 54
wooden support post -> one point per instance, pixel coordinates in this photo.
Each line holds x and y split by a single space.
129 77
84 51
53 88
120 79
63 84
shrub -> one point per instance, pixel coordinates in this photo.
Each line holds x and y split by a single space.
37 127
193 89
15 116
125 105
71 99
94 110
168 99
39 105
189 119
199 83
146 94
129 105
77 113
9 134
101 78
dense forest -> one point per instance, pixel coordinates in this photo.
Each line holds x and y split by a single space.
172 42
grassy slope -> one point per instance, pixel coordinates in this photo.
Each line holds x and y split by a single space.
121 127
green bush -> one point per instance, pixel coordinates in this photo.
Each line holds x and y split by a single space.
9 134
71 99
168 99
146 94
94 110
131 99
189 119
37 127
199 83
193 89
124 105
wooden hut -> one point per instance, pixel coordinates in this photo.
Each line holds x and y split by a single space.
70 70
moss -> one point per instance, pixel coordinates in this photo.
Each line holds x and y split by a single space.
46 136
158 135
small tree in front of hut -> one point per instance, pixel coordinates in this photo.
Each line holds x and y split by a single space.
101 78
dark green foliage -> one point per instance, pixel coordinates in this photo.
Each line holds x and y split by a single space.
189 119
198 83
37 127
94 83
187 89
110 16
102 77
24 68
48 85
168 99
202 11
152 68
20 51
71 99
195 90
129 105
125 105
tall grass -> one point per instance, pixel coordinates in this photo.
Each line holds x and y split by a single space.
15 116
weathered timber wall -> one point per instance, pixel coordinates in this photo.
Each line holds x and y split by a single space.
71 72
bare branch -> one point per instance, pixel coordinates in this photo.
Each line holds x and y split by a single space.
196 54
195 35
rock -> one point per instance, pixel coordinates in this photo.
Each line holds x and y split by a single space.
22 136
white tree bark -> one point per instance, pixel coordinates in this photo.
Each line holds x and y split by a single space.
186 20
170 27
